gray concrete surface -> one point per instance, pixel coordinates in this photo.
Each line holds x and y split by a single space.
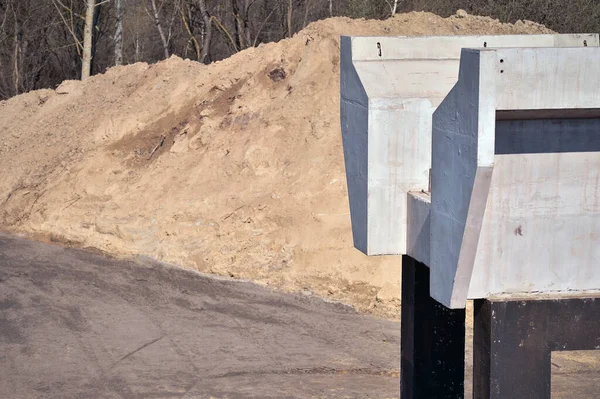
515 192
389 88
75 324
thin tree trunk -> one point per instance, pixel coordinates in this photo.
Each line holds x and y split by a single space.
289 17
86 67
16 73
242 25
138 54
193 39
306 8
163 38
137 57
247 26
119 34
247 5
207 30
257 37
240 34
95 30
331 8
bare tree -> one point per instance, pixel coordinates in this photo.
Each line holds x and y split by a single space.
86 65
70 23
306 9
42 41
290 11
242 22
185 12
163 38
207 30
393 5
262 25
17 53
138 31
119 33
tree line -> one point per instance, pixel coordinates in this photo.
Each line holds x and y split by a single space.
43 42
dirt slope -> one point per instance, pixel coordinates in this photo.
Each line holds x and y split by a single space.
233 168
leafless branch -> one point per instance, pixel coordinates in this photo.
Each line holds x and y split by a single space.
70 28
261 27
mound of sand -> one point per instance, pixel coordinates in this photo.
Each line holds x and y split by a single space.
235 168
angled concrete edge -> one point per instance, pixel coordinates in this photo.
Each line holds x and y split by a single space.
517 191
390 87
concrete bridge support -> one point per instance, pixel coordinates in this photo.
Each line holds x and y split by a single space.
490 187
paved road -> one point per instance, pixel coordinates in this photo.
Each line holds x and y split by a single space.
74 324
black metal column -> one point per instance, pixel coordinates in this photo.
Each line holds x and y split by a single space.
432 340
513 341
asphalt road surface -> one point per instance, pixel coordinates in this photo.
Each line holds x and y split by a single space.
75 324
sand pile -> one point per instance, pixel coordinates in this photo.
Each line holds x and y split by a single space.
234 168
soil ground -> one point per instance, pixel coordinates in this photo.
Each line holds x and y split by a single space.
76 324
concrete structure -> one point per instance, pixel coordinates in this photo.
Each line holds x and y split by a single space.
390 87
513 341
505 209
515 176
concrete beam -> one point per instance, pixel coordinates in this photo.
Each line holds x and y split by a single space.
390 87
418 230
515 204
